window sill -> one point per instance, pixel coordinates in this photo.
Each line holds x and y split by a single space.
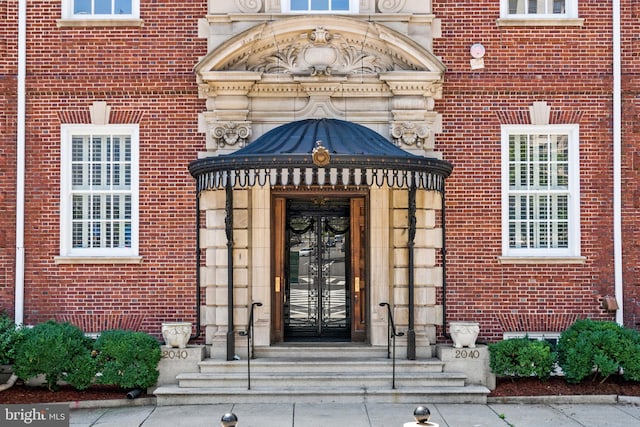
540 22
98 259
542 259
100 23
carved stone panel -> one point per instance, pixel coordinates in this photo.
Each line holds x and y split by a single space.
249 6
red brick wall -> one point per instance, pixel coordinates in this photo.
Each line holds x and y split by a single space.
148 71
570 69
140 71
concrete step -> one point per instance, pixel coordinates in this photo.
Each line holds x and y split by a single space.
305 380
175 395
321 350
321 364
313 372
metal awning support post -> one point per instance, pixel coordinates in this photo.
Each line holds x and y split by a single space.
444 265
411 333
228 226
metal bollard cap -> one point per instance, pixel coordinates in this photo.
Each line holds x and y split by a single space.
421 414
229 420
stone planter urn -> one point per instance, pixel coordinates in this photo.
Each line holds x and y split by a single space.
176 334
464 334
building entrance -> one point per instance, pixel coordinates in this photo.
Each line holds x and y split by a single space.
321 289
317 299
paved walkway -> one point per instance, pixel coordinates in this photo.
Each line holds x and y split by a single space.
362 415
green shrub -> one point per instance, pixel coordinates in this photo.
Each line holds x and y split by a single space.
590 347
522 357
127 359
10 335
59 351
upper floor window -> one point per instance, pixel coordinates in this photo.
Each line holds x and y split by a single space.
101 9
317 6
539 9
99 190
540 191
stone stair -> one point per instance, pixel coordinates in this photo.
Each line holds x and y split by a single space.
311 373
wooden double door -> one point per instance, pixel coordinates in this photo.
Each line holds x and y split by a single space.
319 285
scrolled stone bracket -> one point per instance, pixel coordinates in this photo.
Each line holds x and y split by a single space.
230 134
412 134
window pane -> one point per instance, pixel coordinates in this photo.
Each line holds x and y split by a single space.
122 7
319 4
340 5
559 6
516 6
102 7
299 5
82 7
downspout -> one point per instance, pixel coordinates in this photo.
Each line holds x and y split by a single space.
411 333
228 222
20 161
444 268
617 164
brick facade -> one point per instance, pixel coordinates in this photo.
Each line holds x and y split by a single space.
145 74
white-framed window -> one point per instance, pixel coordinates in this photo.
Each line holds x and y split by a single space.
538 9
100 9
540 191
550 337
99 191
320 6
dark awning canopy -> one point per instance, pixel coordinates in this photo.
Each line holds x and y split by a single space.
320 152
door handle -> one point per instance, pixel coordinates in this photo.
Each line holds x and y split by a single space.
357 284
277 284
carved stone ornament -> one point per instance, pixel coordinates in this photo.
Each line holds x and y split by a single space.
231 134
411 134
390 6
249 6
321 52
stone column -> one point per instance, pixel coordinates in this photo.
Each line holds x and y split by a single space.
379 276
400 278
427 275
214 278
214 274
260 290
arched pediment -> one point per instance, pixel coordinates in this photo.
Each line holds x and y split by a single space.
319 46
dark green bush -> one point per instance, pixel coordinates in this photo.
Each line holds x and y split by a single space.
127 359
522 357
10 335
602 348
59 351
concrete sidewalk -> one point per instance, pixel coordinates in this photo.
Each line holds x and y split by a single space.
363 415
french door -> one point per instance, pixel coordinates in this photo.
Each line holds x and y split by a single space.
319 285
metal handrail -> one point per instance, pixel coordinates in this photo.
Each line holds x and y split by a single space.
249 334
391 335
